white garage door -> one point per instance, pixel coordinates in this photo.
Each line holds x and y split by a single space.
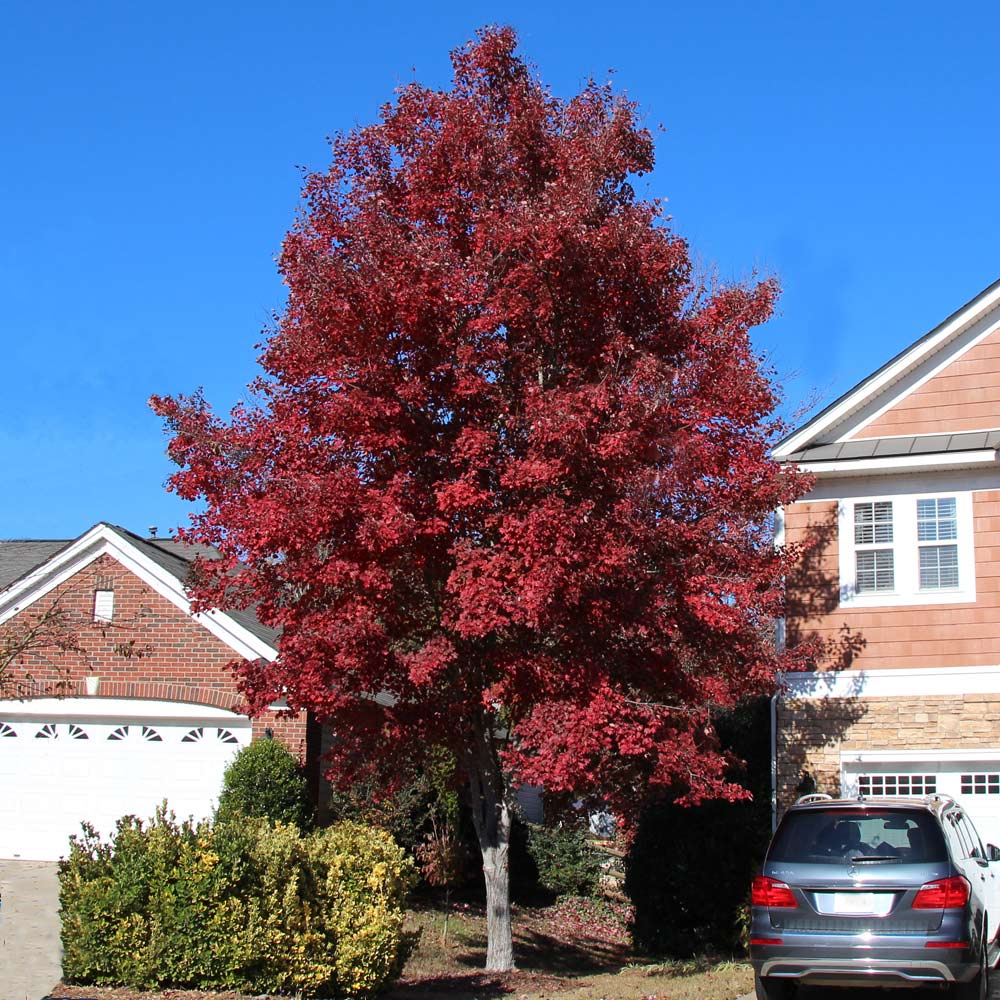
65 761
972 780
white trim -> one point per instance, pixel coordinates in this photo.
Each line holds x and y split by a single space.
905 548
104 606
779 543
973 337
116 709
906 682
103 540
902 463
979 307
918 756
911 483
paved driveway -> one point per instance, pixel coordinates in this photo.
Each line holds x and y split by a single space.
30 952
816 993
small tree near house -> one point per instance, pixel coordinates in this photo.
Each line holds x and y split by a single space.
505 483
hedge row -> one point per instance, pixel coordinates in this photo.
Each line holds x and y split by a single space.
239 905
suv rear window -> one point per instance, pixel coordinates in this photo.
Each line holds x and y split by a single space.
832 836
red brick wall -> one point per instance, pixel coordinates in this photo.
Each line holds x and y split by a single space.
151 649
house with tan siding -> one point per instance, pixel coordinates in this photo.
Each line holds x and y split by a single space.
899 584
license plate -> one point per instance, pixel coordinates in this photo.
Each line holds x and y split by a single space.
854 902
869 904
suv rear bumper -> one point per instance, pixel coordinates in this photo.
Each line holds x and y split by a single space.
854 964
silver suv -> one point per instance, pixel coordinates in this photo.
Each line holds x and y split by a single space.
875 892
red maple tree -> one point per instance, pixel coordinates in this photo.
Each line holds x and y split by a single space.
506 485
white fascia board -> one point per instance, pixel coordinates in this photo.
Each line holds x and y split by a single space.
224 628
119 710
983 325
925 756
902 463
908 682
101 540
871 388
53 572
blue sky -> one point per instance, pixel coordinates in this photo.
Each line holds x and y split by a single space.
151 158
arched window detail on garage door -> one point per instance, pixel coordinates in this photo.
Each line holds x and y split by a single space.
150 735
121 733
6 732
197 735
76 733
47 732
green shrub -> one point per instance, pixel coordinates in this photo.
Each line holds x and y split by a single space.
265 780
566 863
240 905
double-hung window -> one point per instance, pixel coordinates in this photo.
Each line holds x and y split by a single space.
907 550
873 553
937 537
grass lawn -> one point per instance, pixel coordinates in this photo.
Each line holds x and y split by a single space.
560 952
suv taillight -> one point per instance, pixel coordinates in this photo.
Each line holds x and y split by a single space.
769 892
943 894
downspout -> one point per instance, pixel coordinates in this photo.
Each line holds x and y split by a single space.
774 762
779 645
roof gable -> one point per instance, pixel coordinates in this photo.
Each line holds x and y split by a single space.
961 355
961 395
153 562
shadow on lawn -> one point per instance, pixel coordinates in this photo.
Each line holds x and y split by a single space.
537 953
454 987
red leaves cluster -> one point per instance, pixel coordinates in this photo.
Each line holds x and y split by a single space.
510 462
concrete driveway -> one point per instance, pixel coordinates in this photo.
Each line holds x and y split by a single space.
816 993
30 952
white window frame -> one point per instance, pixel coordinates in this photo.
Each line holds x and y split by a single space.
104 606
906 557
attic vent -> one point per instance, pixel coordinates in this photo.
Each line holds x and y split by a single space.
104 605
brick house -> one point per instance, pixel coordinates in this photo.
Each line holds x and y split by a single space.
139 706
902 583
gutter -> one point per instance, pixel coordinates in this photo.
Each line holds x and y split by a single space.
933 462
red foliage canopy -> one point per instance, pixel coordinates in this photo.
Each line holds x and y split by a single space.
509 464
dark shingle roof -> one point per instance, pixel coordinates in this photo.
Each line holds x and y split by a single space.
924 444
18 558
176 557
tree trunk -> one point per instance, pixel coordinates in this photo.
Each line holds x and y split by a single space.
491 817
499 934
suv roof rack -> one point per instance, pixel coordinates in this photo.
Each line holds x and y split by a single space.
942 798
813 797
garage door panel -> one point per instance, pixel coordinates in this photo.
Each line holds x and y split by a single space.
974 782
56 773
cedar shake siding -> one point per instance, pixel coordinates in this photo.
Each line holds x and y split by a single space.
928 635
965 396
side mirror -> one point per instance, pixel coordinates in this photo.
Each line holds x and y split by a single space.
992 852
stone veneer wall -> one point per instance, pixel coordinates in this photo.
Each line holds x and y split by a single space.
812 733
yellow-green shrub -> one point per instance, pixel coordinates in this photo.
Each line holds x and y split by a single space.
239 905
